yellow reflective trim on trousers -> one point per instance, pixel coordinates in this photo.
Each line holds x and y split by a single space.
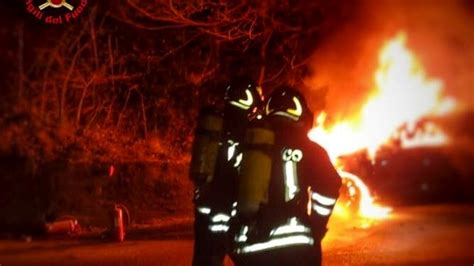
277 243
293 226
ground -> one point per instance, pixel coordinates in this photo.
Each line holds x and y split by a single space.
424 235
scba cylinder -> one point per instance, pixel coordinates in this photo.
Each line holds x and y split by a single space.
255 171
206 146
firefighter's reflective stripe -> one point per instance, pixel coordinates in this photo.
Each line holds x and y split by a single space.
220 217
292 155
322 205
285 114
219 223
244 103
290 180
291 158
231 149
321 210
291 233
238 160
234 209
231 153
218 228
197 194
242 236
277 243
323 200
204 210
293 114
293 226
298 108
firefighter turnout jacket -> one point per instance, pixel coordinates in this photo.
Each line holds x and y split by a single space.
302 191
215 197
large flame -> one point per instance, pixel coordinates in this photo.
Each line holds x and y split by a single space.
402 99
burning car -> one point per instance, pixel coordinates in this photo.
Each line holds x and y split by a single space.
393 135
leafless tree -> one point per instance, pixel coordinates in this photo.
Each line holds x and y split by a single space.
129 73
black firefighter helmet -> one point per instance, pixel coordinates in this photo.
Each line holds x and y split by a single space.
289 103
243 96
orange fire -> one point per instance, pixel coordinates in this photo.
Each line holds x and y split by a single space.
402 98
367 207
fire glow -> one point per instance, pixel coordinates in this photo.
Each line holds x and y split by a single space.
403 96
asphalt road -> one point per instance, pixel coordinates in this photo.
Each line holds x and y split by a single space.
429 235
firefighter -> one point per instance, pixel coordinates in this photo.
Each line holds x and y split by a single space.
214 168
283 209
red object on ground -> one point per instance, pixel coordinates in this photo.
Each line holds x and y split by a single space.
119 228
68 226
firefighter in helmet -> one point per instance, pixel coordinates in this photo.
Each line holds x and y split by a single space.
287 187
214 167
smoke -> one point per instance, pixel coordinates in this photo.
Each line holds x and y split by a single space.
441 34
